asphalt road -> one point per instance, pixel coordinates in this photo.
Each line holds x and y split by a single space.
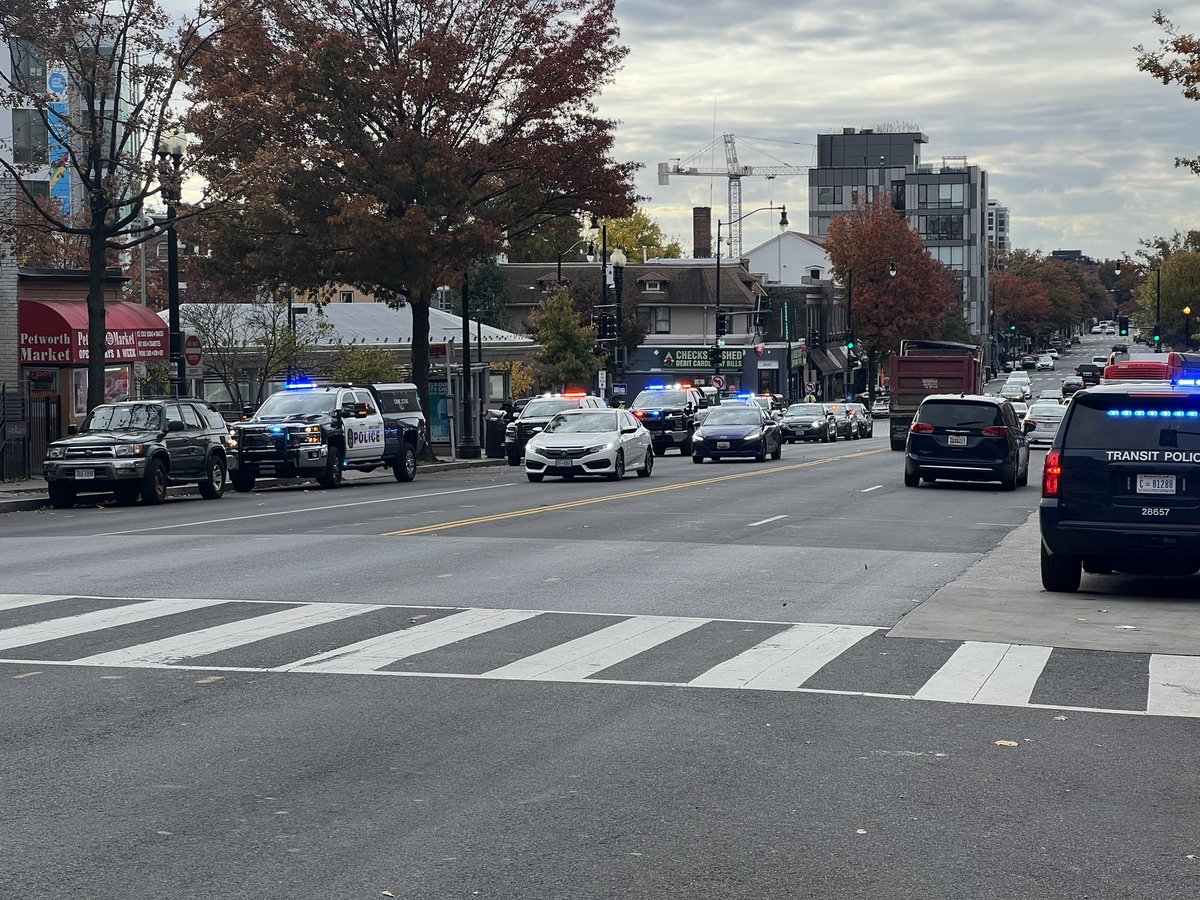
693 685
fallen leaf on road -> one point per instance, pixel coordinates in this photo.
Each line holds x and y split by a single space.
1102 610
1060 718
1190 856
387 894
211 679
860 831
1007 744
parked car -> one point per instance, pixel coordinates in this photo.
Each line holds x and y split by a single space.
862 425
733 431
967 437
808 422
536 414
669 414
137 449
590 441
845 427
881 408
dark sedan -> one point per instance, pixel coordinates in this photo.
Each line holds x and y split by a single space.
808 422
737 431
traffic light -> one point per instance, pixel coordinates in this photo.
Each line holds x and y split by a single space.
1157 334
849 340
1123 326
606 327
814 339
1012 328
760 320
714 356
722 324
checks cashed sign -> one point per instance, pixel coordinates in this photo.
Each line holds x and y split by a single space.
697 358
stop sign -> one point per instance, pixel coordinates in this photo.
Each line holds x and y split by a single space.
193 351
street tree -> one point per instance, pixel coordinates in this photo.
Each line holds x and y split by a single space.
564 358
1168 292
97 82
914 303
359 364
637 232
1176 61
1066 297
416 137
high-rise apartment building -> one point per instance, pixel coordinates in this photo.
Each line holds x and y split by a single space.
944 203
997 228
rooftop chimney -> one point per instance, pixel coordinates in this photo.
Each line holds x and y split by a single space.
701 232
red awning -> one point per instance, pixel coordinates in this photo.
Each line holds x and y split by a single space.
56 332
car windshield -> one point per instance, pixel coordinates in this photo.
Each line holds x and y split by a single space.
1047 411
654 399
583 423
298 403
1123 422
809 409
732 415
764 402
131 417
952 414
545 408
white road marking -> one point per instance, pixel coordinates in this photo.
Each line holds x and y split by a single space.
16 601
983 672
576 660
292 512
1174 686
872 488
385 649
68 626
785 661
225 637
765 521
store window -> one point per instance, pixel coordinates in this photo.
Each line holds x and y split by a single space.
662 320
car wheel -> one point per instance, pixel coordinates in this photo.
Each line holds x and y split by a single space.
333 469
126 495
648 465
618 471
1060 572
1023 478
405 468
242 481
212 486
697 458
62 496
1008 481
535 477
154 482
777 453
761 455
929 479
685 449
912 478
514 459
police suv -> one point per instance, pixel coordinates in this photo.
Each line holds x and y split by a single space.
669 414
1121 484
318 431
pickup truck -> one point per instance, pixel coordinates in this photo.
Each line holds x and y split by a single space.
319 431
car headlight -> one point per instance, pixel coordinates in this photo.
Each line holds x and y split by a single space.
510 431
129 450
56 452
600 448
752 436
231 441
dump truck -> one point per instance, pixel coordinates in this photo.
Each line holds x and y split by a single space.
922 368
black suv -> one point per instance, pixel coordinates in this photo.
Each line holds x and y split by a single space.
136 449
669 414
967 437
1119 489
535 415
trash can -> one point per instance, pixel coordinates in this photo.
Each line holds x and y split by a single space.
493 438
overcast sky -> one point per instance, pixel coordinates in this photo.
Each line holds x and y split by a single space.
1043 94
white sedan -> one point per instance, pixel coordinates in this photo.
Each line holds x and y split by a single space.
1045 361
603 442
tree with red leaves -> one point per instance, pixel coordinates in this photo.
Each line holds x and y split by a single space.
397 142
1177 60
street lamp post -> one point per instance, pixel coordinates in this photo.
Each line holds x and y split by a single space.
1187 328
850 319
468 447
562 253
618 264
170 157
715 352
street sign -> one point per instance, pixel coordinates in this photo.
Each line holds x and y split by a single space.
619 389
193 355
810 386
718 381
603 380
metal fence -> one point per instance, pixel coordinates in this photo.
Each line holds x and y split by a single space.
45 426
14 444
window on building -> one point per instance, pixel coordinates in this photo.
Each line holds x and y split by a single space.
346 296
29 70
662 320
30 138
940 228
948 256
829 196
823 225
941 196
652 286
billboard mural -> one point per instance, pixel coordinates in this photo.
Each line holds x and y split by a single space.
58 137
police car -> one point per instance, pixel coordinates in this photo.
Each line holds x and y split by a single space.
668 412
1121 483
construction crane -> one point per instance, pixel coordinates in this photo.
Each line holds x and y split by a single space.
735 172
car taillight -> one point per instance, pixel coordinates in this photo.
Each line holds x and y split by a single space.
920 428
640 413
995 431
1029 421
1051 474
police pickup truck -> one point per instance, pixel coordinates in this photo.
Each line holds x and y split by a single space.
320 430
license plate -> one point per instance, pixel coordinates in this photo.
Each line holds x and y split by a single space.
562 464
91 473
956 440
722 445
1156 484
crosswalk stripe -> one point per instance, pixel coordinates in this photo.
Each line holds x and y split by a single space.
983 672
577 659
16 601
785 661
1174 686
37 632
227 636
377 652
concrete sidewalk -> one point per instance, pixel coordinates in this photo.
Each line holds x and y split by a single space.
30 493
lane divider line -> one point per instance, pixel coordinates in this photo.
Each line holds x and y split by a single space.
577 504
766 521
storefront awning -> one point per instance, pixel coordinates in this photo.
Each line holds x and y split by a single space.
55 332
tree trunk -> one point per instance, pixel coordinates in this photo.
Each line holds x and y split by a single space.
97 344
420 358
871 376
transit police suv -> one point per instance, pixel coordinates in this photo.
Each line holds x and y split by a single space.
318 431
669 414
1121 484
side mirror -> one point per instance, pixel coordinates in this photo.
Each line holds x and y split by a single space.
247 412
72 429
629 429
175 425
1030 425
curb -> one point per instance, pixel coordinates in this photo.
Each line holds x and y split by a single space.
39 500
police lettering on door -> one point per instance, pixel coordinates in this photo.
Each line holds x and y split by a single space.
364 438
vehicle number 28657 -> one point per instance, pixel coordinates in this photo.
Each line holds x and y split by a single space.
1154 511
